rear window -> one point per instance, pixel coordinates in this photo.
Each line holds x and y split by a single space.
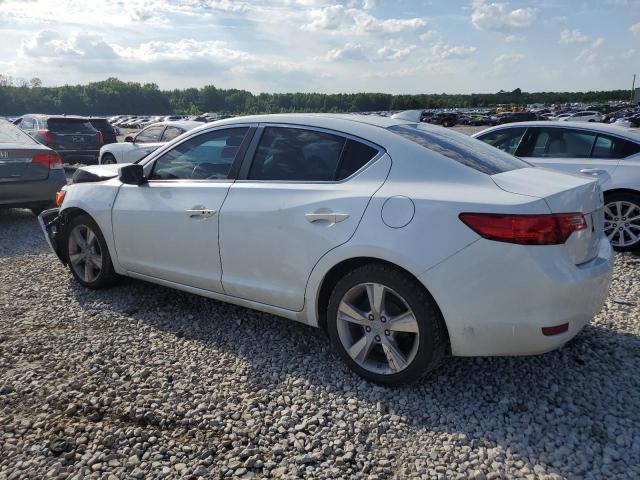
461 148
12 134
99 123
69 125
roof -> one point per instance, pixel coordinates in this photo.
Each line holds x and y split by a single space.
374 120
189 124
630 133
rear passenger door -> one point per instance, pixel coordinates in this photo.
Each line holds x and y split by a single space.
570 150
301 192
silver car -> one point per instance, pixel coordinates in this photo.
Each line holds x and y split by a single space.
30 173
610 152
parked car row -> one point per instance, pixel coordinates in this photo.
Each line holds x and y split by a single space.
329 220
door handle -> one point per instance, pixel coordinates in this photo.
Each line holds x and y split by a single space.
328 217
202 212
593 171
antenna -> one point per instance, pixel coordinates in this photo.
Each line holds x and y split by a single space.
633 88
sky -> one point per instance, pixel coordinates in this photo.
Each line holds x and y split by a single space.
391 46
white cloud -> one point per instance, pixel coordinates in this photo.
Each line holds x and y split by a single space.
391 53
598 42
514 38
635 28
498 16
351 51
629 53
368 4
443 52
508 58
573 36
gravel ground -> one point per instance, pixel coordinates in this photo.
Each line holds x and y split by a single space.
140 381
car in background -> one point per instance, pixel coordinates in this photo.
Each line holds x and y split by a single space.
73 138
603 150
30 173
586 116
446 119
109 133
512 117
404 240
144 142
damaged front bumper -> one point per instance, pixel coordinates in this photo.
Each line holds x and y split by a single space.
51 223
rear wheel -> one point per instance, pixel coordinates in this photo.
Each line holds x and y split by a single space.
87 253
622 220
108 159
385 326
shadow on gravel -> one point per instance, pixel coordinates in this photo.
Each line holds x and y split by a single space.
20 234
531 406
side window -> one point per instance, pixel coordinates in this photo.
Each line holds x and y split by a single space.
506 139
630 148
27 123
150 135
171 132
613 147
296 154
563 143
208 156
355 156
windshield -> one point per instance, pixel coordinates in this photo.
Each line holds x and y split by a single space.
69 125
11 134
461 148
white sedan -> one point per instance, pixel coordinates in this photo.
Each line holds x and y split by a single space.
586 116
404 241
144 142
605 151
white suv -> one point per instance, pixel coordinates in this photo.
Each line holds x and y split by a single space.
586 116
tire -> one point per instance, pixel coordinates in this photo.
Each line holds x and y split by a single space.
100 273
108 159
619 208
446 123
422 342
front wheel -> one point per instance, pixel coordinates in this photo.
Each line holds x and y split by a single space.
385 326
87 254
108 159
622 221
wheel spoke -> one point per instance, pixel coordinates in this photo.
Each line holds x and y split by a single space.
360 350
375 294
91 237
80 241
88 271
633 219
631 208
75 258
633 236
395 358
608 211
349 313
618 209
405 322
96 260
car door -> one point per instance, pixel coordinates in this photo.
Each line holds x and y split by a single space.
167 228
145 142
570 150
301 192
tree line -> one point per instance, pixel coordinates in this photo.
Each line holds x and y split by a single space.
113 96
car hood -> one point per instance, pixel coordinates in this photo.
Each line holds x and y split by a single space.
97 173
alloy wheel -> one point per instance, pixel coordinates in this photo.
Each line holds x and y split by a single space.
377 328
622 223
85 255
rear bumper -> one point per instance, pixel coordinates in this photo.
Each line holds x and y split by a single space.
497 297
32 193
79 156
51 224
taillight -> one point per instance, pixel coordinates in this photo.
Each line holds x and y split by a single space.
49 160
550 229
46 136
100 138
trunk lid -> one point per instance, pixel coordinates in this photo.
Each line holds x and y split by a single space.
16 163
563 193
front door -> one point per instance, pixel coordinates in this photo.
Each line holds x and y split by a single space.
304 194
168 227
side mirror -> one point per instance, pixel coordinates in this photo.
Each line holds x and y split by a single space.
128 139
132 174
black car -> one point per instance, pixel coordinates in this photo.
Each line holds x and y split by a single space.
105 128
446 119
30 173
73 138
512 117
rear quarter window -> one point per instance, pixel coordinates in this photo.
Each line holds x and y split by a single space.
459 147
12 134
